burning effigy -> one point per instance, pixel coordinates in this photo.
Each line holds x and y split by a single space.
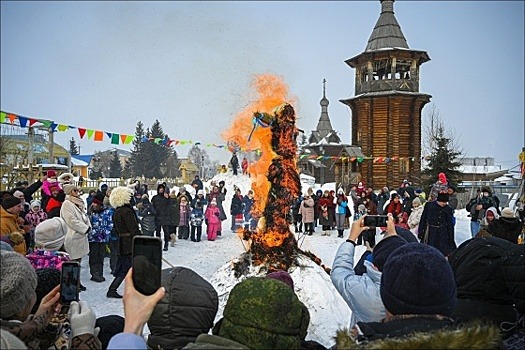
267 127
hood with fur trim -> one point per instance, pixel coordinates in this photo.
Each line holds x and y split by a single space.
63 178
473 335
120 196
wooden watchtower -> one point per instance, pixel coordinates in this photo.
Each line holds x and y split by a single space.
386 108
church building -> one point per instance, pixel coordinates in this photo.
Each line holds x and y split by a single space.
386 109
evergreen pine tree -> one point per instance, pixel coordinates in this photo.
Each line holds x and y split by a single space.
73 149
442 159
157 152
115 168
135 166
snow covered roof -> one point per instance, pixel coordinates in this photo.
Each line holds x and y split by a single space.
480 169
78 162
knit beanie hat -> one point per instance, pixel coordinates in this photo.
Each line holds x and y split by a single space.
507 213
384 248
47 279
418 280
68 188
99 199
264 314
51 173
282 276
442 177
109 326
51 233
10 202
18 283
416 201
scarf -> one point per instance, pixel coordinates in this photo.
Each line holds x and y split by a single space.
78 202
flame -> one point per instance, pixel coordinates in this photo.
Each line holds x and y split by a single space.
274 176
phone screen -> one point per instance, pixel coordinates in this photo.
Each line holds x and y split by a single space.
147 255
69 282
376 220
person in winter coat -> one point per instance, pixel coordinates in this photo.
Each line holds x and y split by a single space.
18 295
147 214
197 216
35 216
219 198
249 221
402 220
211 216
101 225
187 309
507 226
361 212
491 285
126 225
361 293
340 212
491 215
307 214
173 213
477 207
409 196
10 229
236 210
394 207
441 186
296 214
318 194
161 203
360 188
54 203
73 211
422 319
49 244
325 220
197 184
234 163
244 166
452 197
436 227
184 217
382 198
49 181
415 216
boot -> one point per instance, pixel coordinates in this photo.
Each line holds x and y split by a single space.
165 246
218 233
340 233
98 278
112 291
82 288
173 239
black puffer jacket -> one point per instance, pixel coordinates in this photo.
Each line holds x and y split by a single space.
490 279
187 310
506 228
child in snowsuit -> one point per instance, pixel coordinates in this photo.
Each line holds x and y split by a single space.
197 216
213 223
184 217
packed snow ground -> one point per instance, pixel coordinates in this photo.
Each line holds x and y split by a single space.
213 261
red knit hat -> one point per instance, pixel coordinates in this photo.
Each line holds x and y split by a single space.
442 178
51 173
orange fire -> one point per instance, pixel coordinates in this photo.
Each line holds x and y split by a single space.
274 176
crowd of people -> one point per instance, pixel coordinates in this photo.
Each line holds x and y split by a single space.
414 288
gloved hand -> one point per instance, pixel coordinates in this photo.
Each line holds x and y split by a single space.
217 214
81 318
16 237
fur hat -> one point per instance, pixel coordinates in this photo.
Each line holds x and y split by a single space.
120 196
384 248
9 202
47 279
442 197
486 189
51 173
68 188
418 280
35 203
18 283
51 233
65 178
282 276
507 213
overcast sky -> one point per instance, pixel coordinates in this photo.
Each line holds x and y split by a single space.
108 65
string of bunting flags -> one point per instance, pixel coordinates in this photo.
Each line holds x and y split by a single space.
126 139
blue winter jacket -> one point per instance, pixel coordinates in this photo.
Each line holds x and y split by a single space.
361 293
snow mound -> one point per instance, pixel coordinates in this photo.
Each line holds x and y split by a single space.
328 310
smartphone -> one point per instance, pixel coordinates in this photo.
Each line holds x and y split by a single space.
147 264
69 282
376 220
